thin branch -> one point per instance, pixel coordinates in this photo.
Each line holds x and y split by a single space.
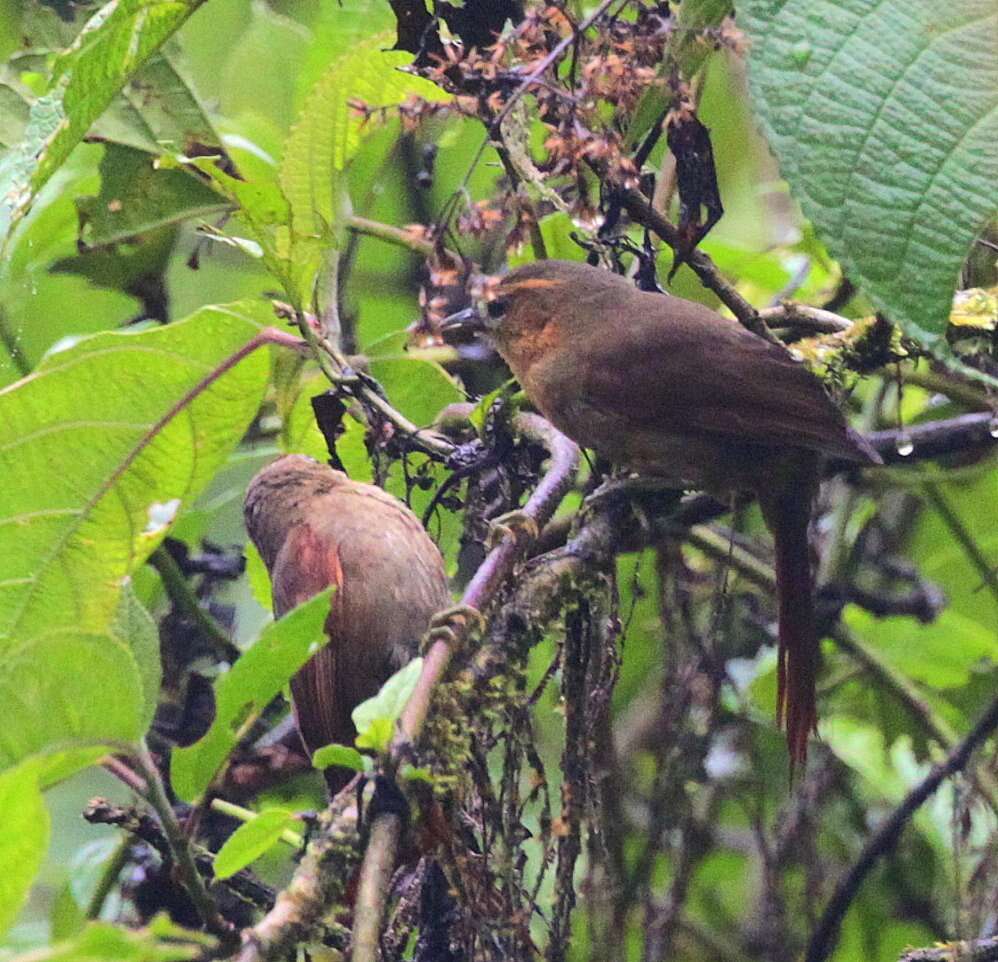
124 774
805 317
180 847
641 212
335 366
886 837
398 236
985 569
935 439
179 591
966 950
146 829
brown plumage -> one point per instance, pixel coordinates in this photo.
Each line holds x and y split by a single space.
314 527
668 387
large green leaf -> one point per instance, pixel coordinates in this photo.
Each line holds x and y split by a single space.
124 429
135 628
117 41
256 678
64 693
884 117
23 840
137 197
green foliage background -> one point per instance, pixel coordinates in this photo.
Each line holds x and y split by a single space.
110 437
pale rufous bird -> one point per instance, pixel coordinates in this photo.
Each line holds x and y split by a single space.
314 527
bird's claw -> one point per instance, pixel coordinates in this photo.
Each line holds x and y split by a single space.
513 524
450 625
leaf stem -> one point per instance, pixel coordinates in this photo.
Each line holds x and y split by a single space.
289 837
180 847
179 591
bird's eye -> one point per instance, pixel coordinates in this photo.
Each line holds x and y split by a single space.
496 308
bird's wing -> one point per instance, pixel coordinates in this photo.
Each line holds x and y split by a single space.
321 710
724 380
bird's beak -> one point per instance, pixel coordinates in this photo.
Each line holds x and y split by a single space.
463 324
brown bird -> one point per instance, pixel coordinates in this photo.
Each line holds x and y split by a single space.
667 387
314 527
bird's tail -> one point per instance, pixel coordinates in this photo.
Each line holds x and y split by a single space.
787 511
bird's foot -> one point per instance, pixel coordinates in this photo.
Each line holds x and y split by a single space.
451 625
514 524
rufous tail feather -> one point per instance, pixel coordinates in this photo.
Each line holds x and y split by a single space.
788 513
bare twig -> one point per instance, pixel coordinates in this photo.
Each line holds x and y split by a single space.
145 828
398 236
935 439
804 317
641 212
885 838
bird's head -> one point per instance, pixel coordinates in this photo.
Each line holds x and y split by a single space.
525 302
281 496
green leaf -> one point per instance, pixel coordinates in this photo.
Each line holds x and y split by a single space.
299 432
860 746
169 107
137 197
14 110
375 718
329 132
162 941
419 388
68 688
265 211
134 627
88 865
126 429
884 119
942 654
116 42
341 755
248 842
258 577
325 139
24 838
242 693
